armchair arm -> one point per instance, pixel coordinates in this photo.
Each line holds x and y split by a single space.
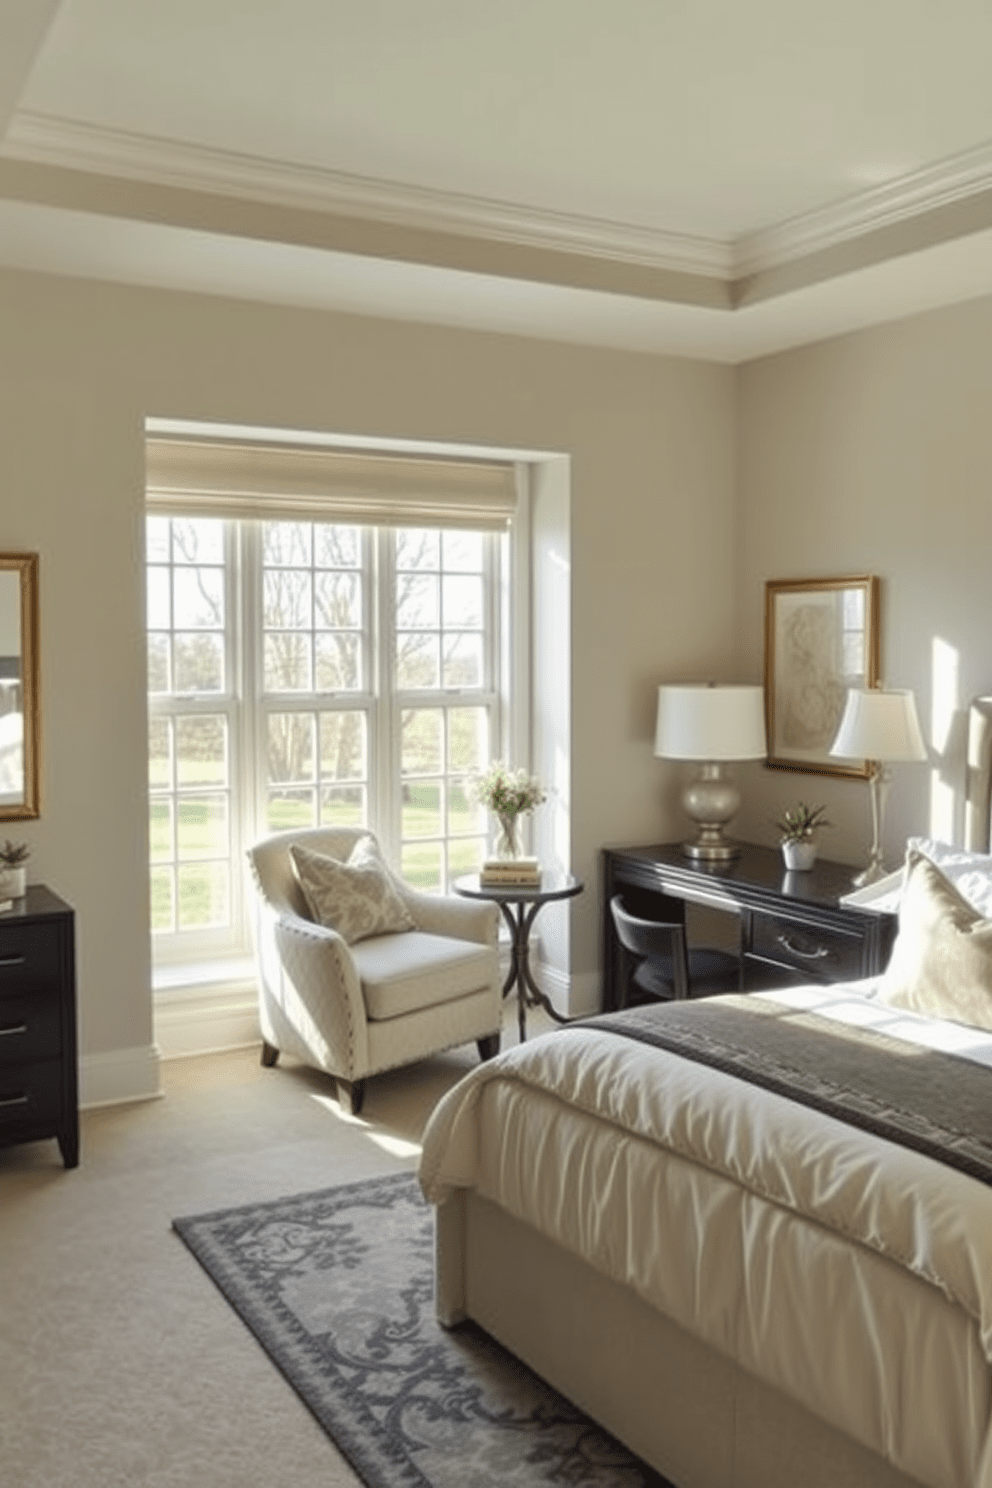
446 914
319 998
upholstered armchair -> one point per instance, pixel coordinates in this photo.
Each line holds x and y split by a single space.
357 1006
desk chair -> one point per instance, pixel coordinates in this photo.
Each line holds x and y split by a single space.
656 965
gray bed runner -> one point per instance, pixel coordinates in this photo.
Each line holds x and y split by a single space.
934 1102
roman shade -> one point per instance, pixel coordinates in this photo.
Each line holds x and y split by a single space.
295 482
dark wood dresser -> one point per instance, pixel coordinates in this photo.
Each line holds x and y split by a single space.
38 1095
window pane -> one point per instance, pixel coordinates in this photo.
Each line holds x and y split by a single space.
417 548
462 551
337 546
416 601
422 749
289 808
160 828
287 662
201 750
287 599
339 601
199 663
202 826
416 660
197 540
464 812
422 810
465 855
159 599
163 896
203 895
290 747
468 739
339 663
343 746
462 599
462 661
159 752
157 540
158 663
421 865
286 543
343 806
198 597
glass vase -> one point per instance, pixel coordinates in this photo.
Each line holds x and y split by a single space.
508 838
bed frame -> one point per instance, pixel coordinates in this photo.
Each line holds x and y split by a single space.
690 1412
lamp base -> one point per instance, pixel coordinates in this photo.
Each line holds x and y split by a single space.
711 848
711 800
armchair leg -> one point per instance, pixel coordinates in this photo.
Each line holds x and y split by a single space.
270 1056
351 1095
488 1046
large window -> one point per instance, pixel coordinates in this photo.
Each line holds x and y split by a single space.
307 673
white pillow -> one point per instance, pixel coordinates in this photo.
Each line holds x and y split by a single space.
969 872
941 963
357 898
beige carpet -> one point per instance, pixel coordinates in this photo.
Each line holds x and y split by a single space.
120 1363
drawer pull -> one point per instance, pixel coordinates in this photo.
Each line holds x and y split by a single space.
12 960
819 953
13 1028
12 1100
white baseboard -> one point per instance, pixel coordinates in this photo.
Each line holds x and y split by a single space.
206 1020
584 994
119 1076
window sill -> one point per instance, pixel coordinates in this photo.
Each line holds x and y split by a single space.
195 976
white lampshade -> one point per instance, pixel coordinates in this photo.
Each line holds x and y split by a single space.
879 725
705 722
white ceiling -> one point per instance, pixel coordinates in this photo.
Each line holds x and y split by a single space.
712 177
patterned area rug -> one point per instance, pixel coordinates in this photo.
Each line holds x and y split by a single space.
338 1287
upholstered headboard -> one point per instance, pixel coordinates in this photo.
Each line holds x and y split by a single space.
978 787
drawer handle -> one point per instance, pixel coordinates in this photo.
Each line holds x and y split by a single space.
819 953
13 1100
12 960
13 1028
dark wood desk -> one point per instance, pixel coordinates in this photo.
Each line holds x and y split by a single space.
792 925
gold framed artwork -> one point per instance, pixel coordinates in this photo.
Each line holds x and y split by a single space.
821 637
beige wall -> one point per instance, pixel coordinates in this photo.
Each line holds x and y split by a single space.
651 448
872 453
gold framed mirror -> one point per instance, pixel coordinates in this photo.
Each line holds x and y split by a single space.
20 711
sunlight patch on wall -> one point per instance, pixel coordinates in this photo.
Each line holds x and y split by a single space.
945 691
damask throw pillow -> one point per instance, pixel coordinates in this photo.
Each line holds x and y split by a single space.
356 898
941 963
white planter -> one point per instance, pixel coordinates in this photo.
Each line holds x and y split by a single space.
13 883
799 855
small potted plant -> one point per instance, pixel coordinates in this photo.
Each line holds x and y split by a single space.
13 874
798 827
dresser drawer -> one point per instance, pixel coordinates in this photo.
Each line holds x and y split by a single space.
29 959
818 952
30 1095
30 1027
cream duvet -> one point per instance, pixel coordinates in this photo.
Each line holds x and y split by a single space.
849 1272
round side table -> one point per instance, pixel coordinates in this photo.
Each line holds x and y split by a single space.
520 904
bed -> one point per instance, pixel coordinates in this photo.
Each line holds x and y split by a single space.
747 1291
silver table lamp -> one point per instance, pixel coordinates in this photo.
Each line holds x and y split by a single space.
878 727
710 725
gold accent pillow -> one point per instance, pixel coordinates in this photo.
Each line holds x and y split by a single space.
941 963
357 898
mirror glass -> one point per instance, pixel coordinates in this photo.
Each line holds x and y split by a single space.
19 720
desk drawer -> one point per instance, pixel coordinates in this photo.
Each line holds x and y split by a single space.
30 1028
819 952
30 1096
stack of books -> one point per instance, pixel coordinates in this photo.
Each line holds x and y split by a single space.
510 873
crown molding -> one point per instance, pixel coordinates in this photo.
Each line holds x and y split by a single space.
929 190
48 140
42 139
